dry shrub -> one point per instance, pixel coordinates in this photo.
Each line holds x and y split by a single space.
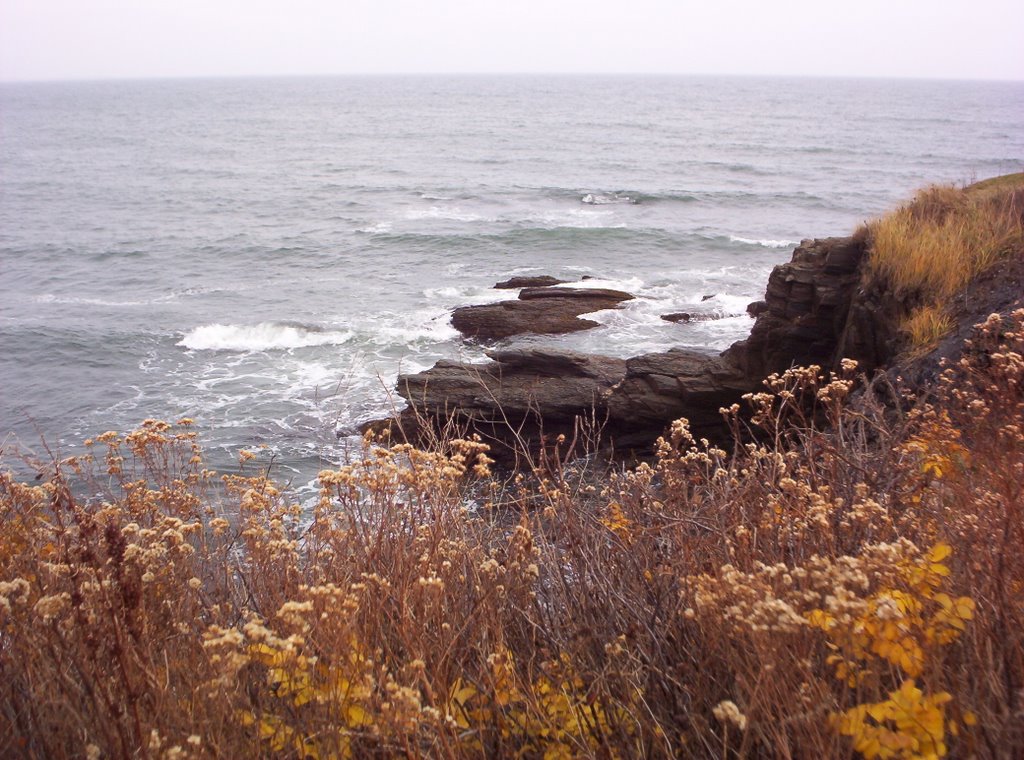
850 584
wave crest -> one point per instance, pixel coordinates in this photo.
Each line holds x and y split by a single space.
765 243
265 336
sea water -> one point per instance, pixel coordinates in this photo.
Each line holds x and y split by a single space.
267 255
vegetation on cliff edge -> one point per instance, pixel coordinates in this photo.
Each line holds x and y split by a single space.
931 248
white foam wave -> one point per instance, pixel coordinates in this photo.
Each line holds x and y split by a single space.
265 336
765 243
454 296
453 214
381 228
70 301
602 199
436 330
632 285
82 301
578 218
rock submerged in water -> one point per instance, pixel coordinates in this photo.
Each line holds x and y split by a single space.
538 281
681 317
543 310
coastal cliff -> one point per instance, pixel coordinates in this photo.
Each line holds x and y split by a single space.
826 304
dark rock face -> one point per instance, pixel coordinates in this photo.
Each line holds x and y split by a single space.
871 334
806 307
659 388
757 308
517 398
539 281
542 310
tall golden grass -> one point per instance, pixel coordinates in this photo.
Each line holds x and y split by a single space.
851 586
930 249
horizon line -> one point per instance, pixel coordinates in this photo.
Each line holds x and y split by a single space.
499 74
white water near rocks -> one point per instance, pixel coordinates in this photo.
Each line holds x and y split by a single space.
266 255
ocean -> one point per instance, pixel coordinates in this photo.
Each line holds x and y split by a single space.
266 255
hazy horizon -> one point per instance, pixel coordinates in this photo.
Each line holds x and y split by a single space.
63 40
504 74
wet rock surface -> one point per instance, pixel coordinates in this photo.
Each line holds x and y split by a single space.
526 398
682 317
541 310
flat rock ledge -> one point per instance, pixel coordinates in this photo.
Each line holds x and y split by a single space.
543 310
521 400
524 398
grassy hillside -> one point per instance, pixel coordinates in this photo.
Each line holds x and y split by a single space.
930 249
851 587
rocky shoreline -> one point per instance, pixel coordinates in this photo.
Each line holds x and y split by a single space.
524 399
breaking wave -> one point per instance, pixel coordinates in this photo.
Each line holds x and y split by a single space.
265 336
765 243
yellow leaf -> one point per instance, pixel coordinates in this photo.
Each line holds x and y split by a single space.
263 653
939 569
356 716
879 711
303 695
964 608
461 695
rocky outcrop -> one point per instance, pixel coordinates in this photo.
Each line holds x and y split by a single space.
805 309
514 400
523 397
541 310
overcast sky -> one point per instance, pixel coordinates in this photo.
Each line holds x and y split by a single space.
92 39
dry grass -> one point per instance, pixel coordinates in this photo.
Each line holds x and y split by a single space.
928 250
926 325
938 243
853 589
